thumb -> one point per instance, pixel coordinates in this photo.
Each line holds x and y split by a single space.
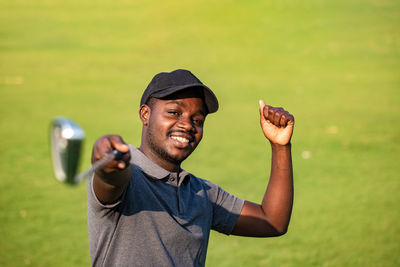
261 103
118 143
122 147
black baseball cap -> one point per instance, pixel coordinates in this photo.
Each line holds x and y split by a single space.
167 83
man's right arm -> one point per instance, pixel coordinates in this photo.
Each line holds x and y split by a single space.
110 182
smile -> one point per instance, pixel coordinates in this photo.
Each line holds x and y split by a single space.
180 139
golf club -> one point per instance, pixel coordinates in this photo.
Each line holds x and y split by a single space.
66 139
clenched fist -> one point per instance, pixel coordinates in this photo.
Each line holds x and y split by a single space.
105 145
276 123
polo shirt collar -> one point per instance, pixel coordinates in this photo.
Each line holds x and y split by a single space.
149 167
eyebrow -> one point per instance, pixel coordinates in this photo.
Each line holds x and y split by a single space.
183 105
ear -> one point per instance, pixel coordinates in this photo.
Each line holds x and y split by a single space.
144 113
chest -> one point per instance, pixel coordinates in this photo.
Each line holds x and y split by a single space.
166 203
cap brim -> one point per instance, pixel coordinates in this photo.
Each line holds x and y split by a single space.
209 97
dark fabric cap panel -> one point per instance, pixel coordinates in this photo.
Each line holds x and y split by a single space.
167 83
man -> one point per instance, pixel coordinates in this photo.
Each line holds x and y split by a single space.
144 210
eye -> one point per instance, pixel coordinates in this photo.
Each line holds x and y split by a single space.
173 113
198 122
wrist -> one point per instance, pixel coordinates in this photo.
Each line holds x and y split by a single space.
278 147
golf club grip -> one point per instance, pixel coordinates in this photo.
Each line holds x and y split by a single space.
117 154
114 155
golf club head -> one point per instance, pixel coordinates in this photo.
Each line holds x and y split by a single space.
66 145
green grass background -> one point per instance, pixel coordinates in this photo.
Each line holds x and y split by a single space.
333 64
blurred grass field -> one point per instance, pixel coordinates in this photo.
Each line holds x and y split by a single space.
333 64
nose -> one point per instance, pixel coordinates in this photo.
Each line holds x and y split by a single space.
186 124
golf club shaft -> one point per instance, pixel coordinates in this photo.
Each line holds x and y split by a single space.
114 155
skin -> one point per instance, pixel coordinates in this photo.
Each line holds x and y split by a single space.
172 128
272 216
182 115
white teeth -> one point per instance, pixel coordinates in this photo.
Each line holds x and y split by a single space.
180 139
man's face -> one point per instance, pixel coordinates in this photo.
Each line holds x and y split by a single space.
174 127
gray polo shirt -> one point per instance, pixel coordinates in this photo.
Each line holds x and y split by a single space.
162 219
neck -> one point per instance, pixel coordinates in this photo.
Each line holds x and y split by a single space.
169 166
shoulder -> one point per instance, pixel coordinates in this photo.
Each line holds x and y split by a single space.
212 190
197 180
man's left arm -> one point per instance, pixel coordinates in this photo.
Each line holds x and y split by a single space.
272 216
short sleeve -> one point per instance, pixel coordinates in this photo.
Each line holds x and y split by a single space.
226 209
93 201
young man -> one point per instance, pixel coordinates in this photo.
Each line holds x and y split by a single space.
144 210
